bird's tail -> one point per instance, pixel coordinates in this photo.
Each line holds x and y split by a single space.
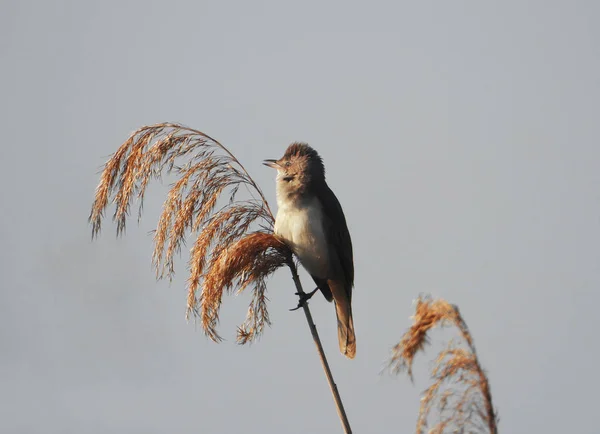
346 337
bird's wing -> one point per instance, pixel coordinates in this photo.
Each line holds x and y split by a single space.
337 234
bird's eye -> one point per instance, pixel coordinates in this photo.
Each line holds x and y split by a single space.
288 164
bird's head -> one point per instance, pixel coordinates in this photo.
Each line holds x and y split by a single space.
299 168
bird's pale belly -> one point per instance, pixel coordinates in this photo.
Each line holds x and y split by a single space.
302 228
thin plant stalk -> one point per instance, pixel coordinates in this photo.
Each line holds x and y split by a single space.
313 330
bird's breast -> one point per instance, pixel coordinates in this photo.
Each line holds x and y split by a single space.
301 226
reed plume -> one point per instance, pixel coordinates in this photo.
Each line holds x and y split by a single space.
460 391
226 254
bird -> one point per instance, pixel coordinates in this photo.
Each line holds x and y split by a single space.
310 220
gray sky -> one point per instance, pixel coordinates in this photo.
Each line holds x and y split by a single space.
460 137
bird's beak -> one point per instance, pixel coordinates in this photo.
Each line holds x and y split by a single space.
271 163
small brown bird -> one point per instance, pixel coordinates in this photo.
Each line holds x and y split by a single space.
311 221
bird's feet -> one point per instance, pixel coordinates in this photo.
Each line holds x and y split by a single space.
303 298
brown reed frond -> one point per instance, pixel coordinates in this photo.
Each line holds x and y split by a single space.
205 171
460 390
246 262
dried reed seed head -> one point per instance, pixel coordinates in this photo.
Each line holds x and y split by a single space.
210 170
181 214
460 389
249 261
149 151
250 257
223 228
428 314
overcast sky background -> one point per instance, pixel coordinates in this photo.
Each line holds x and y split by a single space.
462 139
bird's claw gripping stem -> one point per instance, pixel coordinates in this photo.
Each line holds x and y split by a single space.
303 298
